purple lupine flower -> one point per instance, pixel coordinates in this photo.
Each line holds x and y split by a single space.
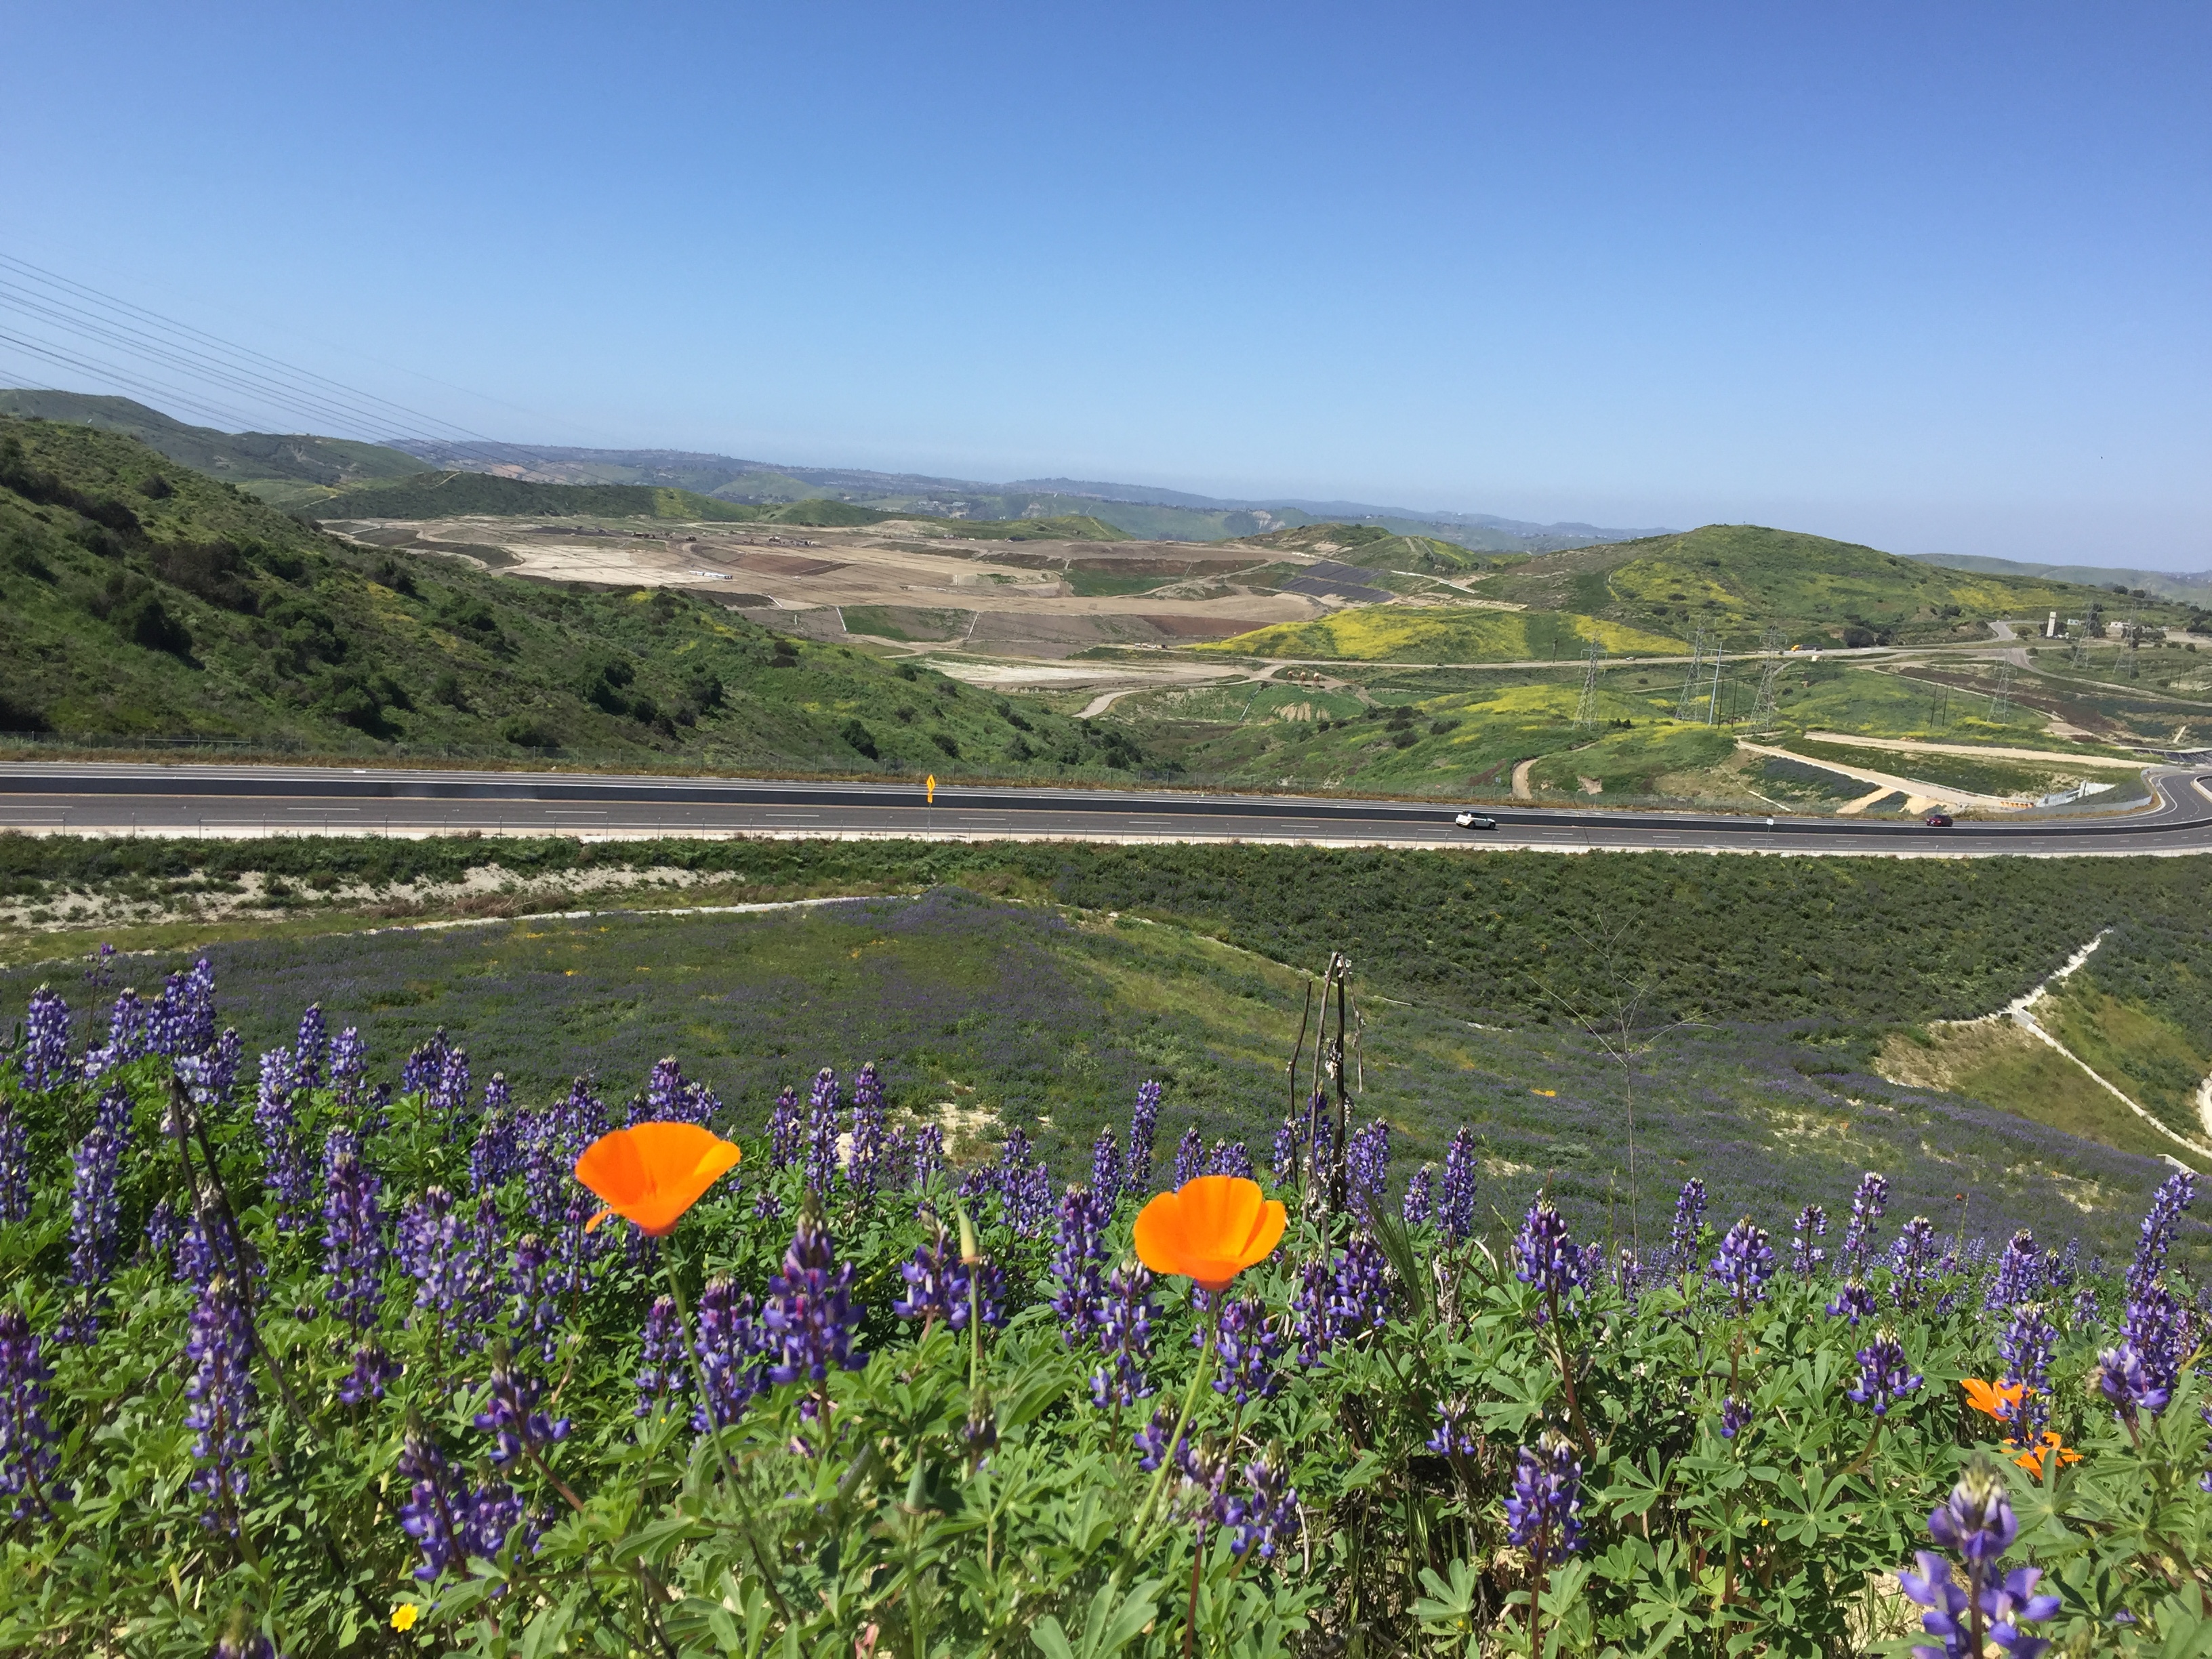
1190 1158
1282 1163
15 1167
372 1371
1743 1264
161 1229
1106 1172
2174 1196
1977 1521
863 1168
27 1458
1806 1257
1310 1319
1455 1204
2026 1346
2019 1274
822 1132
418 1074
100 967
354 1251
978 1288
1079 1255
1735 1417
1452 1438
92 1231
786 1134
1886 1376
1320 1148
450 1523
1249 1347
1420 1197
165 1019
1143 1123
1627 1274
1341 1301
662 1375
1025 1185
46 1041
1868 1203
2085 1312
1263 1518
1543 1515
1689 1224
1853 1302
1232 1159
494 1156
2157 1327
212 1073
929 1279
310 1046
126 1036
511 1415
1152 1440
1367 1166
449 1093
348 1067
196 1024
1912 1262
2127 1381
536 1286
547 1184
810 1317
446 1258
1125 1335
730 1344
928 1156
1549 1257
221 1388
284 1173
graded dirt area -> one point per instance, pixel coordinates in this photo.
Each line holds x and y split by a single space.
901 582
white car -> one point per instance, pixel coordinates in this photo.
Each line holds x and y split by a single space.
1475 821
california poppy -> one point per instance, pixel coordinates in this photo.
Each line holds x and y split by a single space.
2050 1446
1997 1399
652 1173
1210 1229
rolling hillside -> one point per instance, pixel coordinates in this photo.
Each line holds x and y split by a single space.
140 598
1377 548
287 469
1442 634
1740 578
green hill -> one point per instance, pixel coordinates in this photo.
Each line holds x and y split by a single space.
1740 578
288 468
457 495
140 598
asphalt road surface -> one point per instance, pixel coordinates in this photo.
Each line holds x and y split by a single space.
75 798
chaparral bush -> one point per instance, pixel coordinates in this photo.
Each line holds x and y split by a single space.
301 1356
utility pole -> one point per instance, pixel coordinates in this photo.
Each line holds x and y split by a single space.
1586 709
1764 711
1689 697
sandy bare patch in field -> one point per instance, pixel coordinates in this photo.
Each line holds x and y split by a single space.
1019 597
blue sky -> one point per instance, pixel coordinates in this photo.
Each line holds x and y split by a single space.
1934 277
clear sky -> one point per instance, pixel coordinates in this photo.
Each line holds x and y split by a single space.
1931 276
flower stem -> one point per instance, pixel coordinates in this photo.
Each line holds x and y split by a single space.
1198 1380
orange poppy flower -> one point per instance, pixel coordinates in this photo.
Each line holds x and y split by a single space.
1997 1399
2050 1446
652 1173
1210 1229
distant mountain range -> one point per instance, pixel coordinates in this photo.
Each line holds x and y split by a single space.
1140 510
2191 589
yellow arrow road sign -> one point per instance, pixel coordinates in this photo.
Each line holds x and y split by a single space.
930 783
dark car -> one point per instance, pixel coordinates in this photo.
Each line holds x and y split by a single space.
1937 820
1475 821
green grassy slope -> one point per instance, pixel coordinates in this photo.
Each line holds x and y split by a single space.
1376 548
453 495
138 598
288 468
1741 577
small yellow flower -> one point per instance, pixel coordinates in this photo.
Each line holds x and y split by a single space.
405 1615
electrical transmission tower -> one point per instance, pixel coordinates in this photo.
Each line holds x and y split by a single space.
2001 699
2131 632
1713 687
1586 710
1763 711
1692 680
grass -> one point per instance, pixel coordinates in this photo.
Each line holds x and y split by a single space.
2013 780
1742 578
986 1016
2153 1061
1441 634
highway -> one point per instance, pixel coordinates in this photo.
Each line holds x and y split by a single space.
247 800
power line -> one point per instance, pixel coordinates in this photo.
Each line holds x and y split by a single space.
147 338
